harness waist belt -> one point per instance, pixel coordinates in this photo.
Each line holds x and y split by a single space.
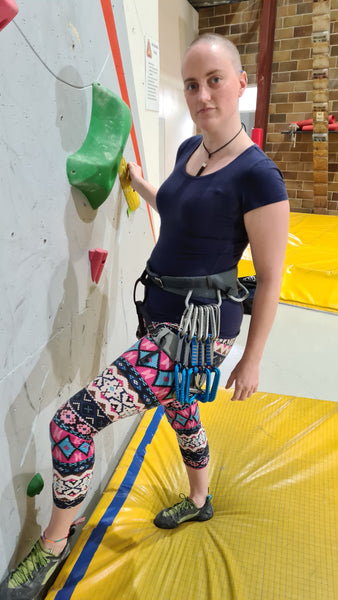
205 286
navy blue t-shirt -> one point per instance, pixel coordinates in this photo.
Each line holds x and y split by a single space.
202 225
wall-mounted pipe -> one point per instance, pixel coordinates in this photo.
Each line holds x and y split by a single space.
267 36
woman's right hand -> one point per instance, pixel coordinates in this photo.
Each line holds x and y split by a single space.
135 174
140 185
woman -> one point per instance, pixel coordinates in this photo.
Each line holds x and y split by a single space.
222 193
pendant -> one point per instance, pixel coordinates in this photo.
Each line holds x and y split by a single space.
201 169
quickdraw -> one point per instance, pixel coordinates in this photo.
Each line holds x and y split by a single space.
196 376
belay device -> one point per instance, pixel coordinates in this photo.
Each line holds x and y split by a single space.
192 347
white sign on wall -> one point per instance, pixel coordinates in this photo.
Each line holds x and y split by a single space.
152 56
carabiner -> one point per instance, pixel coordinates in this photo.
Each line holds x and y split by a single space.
215 383
186 318
204 395
240 298
192 323
190 372
187 298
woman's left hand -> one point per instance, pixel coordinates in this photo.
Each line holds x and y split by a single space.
245 375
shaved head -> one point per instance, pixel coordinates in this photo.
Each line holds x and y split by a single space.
229 48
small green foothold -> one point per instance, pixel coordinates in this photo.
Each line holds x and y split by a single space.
35 486
94 167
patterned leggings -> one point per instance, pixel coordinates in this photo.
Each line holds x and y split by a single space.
141 378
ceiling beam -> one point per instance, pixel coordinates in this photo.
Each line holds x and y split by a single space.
205 3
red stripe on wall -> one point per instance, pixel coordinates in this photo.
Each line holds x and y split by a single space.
115 48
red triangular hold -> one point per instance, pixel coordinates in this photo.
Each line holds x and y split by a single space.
97 259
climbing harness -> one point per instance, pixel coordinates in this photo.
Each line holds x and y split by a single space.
192 346
203 286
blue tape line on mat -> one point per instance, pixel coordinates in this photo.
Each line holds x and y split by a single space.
95 538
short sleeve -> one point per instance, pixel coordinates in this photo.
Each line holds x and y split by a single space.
263 184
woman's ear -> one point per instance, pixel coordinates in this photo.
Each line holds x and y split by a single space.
243 82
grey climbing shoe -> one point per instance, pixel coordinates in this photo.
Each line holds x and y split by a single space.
34 576
185 510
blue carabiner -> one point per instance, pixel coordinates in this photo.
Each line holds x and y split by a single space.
180 383
204 396
214 387
190 398
182 396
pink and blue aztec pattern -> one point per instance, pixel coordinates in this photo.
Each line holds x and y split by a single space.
183 417
72 453
70 446
190 433
149 371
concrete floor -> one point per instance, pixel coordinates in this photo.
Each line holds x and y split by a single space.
300 357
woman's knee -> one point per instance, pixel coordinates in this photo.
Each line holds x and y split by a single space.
73 455
71 439
190 433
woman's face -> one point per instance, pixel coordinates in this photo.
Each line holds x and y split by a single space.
212 87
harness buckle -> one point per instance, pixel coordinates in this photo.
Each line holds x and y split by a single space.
158 282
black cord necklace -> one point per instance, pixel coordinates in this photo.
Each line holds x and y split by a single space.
218 149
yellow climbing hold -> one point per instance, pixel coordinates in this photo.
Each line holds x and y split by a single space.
132 197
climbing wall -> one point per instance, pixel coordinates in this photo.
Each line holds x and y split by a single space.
57 326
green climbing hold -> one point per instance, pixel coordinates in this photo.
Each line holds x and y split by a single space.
35 486
93 168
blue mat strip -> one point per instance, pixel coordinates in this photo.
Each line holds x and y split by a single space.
107 519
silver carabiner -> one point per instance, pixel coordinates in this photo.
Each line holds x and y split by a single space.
185 320
241 298
187 298
213 322
206 324
193 323
200 324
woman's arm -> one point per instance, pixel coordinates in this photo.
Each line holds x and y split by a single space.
267 229
142 187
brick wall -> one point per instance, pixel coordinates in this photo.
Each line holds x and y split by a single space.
291 95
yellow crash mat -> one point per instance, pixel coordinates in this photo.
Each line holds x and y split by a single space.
273 476
310 277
